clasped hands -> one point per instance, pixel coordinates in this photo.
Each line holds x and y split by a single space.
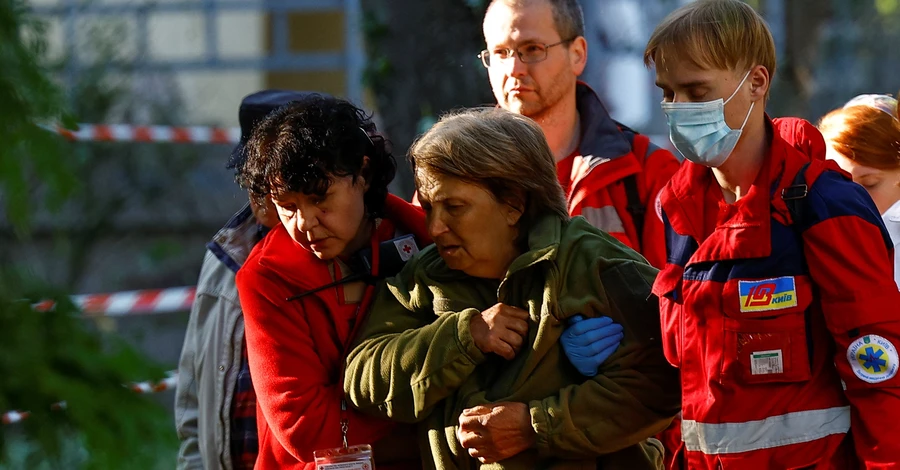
498 431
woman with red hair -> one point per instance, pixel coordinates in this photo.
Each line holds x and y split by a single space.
863 138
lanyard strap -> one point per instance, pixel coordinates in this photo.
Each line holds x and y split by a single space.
362 310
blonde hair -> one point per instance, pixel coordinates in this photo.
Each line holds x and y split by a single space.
866 134
501 151
720 34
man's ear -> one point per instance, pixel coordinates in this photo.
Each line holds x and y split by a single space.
578 55
759 82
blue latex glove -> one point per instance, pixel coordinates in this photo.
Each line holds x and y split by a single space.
588 342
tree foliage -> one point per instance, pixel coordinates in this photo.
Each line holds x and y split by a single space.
50 356
28 97
422 63
125 189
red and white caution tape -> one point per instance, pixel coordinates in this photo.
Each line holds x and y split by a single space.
170 134
168 383
175 299
155 387
13 417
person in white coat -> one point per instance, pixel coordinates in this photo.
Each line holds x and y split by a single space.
892 222
863 137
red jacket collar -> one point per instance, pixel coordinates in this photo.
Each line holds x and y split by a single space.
601 137
602 143
745 231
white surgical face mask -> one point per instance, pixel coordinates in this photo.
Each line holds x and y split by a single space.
699 130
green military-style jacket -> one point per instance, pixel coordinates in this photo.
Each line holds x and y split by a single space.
415 360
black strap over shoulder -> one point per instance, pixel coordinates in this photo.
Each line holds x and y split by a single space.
635 208
793 197
794 194
390 262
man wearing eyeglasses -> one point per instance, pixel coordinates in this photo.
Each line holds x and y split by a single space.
611 175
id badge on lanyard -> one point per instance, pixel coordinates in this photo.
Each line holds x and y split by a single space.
346 457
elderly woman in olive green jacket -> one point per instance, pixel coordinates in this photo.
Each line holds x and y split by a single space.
466 339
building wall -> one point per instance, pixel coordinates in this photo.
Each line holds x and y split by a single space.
311 32
211 97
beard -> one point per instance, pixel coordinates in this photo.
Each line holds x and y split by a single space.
529 106
540 101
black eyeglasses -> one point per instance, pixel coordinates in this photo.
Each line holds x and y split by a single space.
527 53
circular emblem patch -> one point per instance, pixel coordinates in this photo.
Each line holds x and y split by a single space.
873 359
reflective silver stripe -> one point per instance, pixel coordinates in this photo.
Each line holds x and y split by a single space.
775 431
604 218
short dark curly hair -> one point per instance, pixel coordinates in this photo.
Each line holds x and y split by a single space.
303 145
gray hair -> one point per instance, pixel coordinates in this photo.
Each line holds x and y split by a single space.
501 151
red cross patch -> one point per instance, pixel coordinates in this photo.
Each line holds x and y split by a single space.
406 247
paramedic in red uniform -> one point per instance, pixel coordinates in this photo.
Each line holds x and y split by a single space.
611 175
777 300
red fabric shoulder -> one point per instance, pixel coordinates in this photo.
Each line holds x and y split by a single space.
639 147
802 135
792 166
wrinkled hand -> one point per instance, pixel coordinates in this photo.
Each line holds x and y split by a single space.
500 329
589 342
496 432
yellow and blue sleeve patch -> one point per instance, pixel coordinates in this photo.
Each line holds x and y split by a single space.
768 294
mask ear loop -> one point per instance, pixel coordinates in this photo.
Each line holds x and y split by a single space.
738 87
747 118
750 111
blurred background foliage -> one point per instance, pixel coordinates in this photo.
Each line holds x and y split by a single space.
50 356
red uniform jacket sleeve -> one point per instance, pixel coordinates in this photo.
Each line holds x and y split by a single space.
850 263
297 392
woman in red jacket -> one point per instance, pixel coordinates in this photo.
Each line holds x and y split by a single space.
326 169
